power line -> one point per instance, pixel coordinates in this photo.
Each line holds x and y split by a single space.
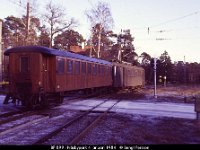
168 21
167 39
172 20
176 19
174 29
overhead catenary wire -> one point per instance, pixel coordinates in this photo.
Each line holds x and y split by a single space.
148 28
176 19
173 20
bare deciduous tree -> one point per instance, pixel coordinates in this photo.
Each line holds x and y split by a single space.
102 16
54 17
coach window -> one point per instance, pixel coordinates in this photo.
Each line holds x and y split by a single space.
24 64
107 70
102 70
99 70
89 68
134 73
77 65
60 65
69 66
95 69
129 73
83 67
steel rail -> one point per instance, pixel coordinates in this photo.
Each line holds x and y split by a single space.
58 130
78 138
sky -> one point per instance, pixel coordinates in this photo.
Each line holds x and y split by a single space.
174 25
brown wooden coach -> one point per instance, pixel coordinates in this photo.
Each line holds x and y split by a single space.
127 76
37 73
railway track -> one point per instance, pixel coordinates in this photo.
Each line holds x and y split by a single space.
75 120
15 116
7 114
22 122
79 137
11 121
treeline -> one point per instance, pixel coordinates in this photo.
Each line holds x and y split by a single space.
167 72
52 29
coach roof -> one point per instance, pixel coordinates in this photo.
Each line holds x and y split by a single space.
54 52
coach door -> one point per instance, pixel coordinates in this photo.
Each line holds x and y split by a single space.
46 73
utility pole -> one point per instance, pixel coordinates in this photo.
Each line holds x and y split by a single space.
119 41
91 44
165 76
155 94
27 22
1 54
99 41
119 56
184 69
165 81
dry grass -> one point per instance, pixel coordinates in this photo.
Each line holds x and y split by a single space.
183 94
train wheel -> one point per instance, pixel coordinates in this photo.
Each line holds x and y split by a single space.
43 100
60 98
28 102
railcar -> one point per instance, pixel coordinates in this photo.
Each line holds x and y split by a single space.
38 73
127 76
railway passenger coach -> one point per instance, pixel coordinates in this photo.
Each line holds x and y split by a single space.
38 74
127 76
